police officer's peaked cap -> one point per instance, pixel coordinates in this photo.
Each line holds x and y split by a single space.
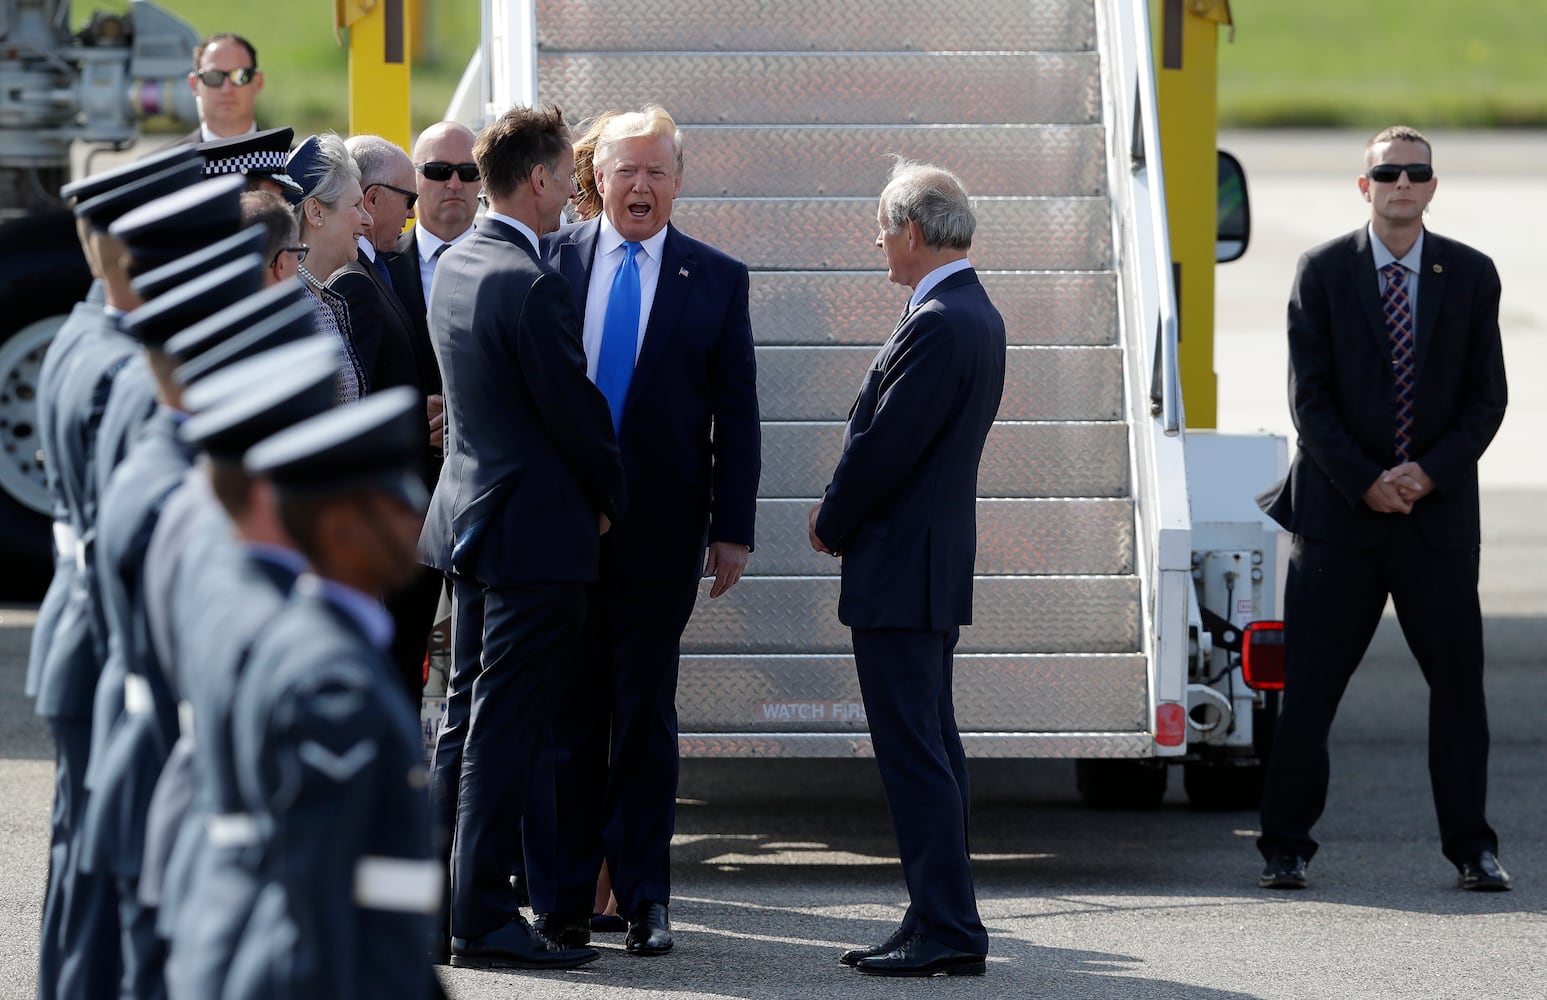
236 408
178 224
105 210
107 180
375 443
252 240
275 316
155 323
260 154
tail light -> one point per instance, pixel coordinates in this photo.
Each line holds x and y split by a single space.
1170 724
1262 656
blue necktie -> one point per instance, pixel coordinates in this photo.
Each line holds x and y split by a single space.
620 335
1399 324
380 264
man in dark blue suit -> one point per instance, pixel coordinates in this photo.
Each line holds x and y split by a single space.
1397 386
530 483
901 510
668 340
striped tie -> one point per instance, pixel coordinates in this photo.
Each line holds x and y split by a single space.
1399 324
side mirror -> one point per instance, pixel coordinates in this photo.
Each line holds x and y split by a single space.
1234 228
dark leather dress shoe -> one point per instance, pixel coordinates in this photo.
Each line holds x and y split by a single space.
919 956
853 955
516 946
608 923
1483 874
565 929
1284 871
649 931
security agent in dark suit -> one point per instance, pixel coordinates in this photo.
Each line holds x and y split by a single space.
78 957
669 342
901 511
392 355
531 481
327 753
1396 385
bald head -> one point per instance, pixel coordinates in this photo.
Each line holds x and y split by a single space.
446 208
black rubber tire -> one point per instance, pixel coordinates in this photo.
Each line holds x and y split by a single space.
1223 787
1120 784
42 273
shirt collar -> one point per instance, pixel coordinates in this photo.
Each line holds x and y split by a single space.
208 136
1411 260
609 239
517 225
428 242
286 559
365 611
934 278
368 248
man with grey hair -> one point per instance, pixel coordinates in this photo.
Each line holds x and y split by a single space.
901 511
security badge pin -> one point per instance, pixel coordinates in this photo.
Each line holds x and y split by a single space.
1438 269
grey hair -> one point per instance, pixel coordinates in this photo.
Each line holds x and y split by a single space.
374 156
338 168
933 197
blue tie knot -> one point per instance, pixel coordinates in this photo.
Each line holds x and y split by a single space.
630 248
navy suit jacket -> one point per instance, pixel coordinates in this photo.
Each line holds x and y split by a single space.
410 292
690 437
902 505
1343 396
530 453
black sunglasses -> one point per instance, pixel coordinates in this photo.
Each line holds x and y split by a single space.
440 170
299 251
213 78
410 196
1387 173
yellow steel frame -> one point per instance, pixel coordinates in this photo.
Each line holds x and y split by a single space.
380 52
1189 126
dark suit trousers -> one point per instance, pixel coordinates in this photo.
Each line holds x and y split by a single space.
413 615
530 638
905 680
446 762
78 954
614 764
1334 599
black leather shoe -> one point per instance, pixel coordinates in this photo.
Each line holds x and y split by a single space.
649 931
564 929
1483 874
919 956
608 923
1284 871
852 956
516 946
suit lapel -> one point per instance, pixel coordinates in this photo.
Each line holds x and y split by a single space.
385 289
671 294
1361 272
408 252
1431 291
576 255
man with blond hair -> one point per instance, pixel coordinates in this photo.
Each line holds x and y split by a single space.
668 341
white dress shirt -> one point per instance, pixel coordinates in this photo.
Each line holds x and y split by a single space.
934 278
368 248
429 245
604 267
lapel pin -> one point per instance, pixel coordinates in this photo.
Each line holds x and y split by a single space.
1438 269
682 272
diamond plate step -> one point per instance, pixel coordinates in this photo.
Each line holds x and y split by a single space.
793 25
1047 537
1049 693
991 88
1041 383
1049 308
1019 459
1013 234
1038 614
801 161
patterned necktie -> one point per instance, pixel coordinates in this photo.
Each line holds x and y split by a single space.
1399 324
620 335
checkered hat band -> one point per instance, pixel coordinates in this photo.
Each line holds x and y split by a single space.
266 161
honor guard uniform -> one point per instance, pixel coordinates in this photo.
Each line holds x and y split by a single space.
134 716
77 953
230 588
258 156
327 751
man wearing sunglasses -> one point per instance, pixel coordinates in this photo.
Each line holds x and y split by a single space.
1396 380
393 354
225 80
448 184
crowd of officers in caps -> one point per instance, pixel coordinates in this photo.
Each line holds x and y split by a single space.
238 480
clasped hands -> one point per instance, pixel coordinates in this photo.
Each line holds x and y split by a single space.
1397 489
